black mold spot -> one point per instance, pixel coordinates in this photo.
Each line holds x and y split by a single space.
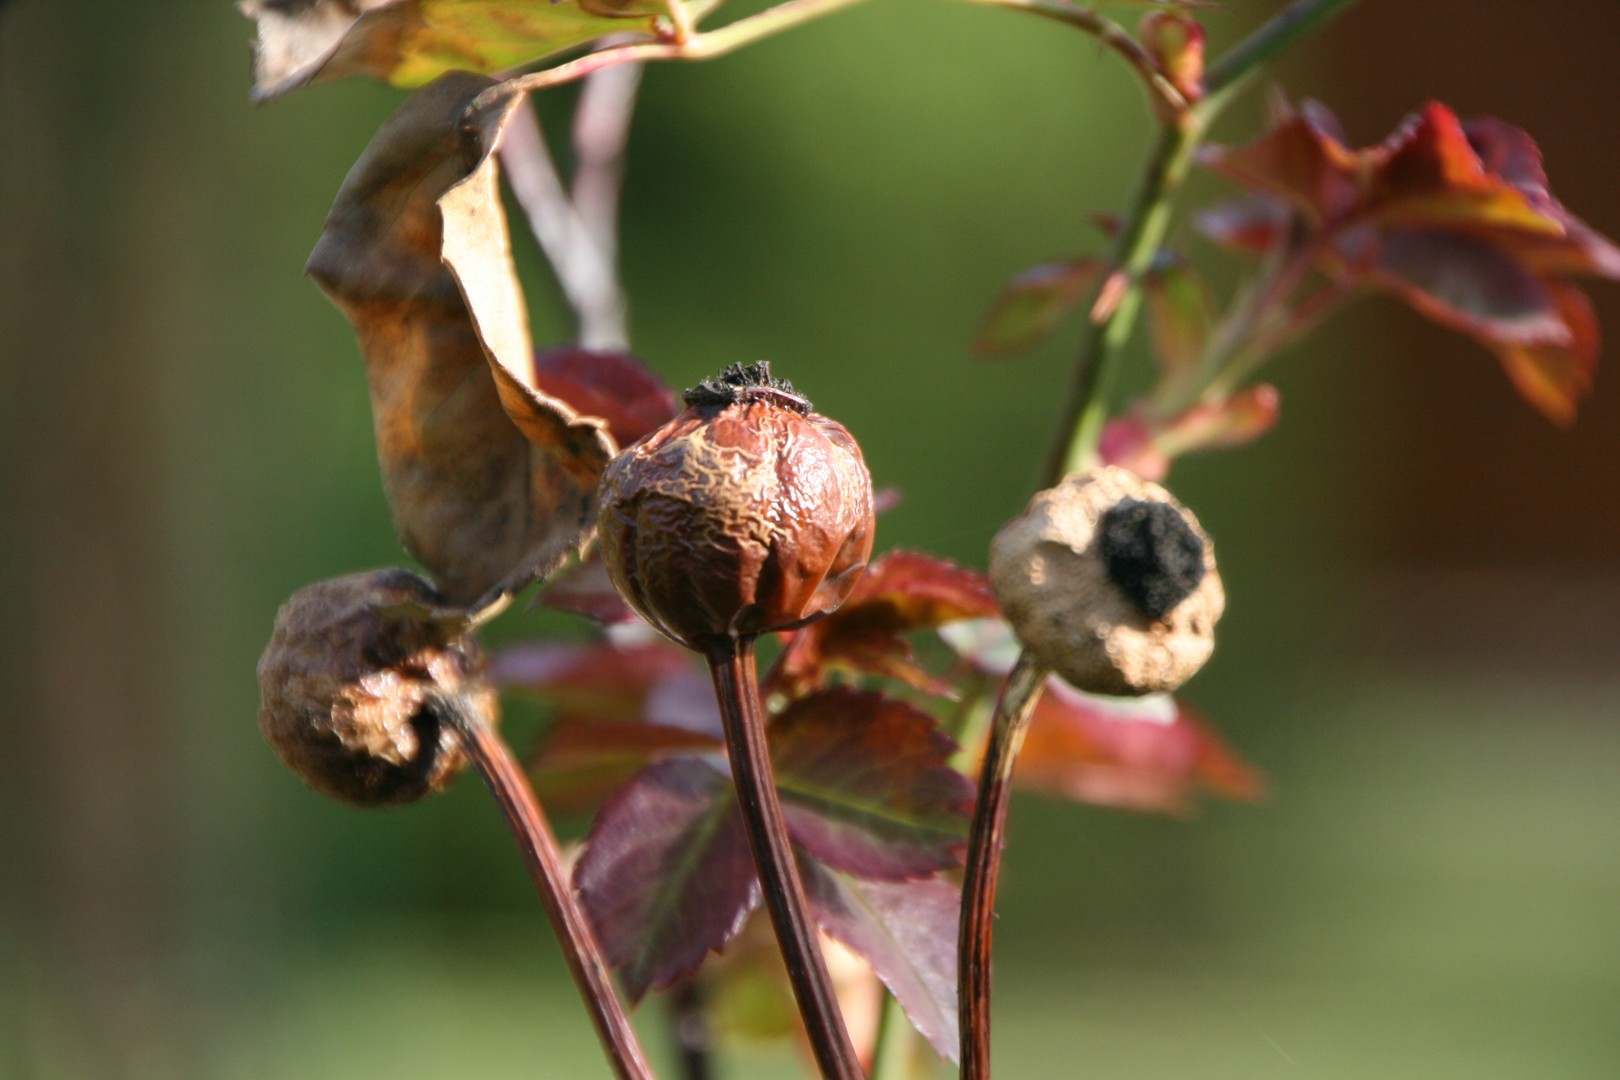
1152 555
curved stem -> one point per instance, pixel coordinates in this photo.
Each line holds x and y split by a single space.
1018 697
735 687
704 46
1167 100
507 783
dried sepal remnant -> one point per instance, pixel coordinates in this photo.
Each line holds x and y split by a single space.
490 482
737 518
1115 596
354 700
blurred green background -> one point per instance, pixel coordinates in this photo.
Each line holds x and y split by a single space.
1424 577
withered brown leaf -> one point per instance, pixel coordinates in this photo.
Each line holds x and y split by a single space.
491 482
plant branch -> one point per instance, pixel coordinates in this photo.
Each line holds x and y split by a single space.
1144 225
507 783
736 689
698 46
1142 232
1283 31
601 134
985 842
1167 100
583 268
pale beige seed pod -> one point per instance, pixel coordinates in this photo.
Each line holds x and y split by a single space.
1110 582
357 699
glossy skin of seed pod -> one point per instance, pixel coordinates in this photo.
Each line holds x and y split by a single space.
745 514
1110 582
355 701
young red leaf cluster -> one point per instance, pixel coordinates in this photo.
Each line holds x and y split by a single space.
1453 217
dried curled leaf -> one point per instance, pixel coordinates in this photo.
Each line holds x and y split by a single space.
411 42
491 483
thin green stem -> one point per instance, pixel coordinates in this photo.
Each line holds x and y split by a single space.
1142 232
524 816
894 1056
737 691
985 842
1282 32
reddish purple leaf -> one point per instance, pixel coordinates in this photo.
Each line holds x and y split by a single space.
657 682
1150 754
866 787
1032 305
1455 218
902 593
666 876
612 385
907 932
1554 378
579 763
585 589
1465 282
1253 224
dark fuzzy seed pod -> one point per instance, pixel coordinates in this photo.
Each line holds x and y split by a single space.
745 514
356 701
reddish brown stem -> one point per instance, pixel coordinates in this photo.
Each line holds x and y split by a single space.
538 845
737 690
1018 697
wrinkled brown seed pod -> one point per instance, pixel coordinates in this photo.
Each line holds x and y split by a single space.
745 514
1110 582
355 701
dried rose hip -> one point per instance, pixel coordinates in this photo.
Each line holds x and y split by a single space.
1110 582
746 513
354 700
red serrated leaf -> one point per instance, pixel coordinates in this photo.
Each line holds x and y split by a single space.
611 385
902 593
1150 754
866 787
907 932
1554 378
1253 224
615 708
1300 161
1453 217
578 763
1032 305
666 876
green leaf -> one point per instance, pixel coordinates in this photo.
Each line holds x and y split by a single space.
1032 305
412 42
